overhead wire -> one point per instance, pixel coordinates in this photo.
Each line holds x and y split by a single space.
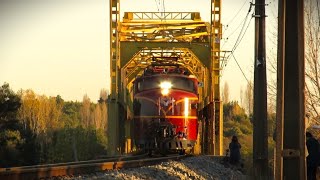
232 52
243 25
230 21
240 69
237 14
240 34
239 39
229 35
243 34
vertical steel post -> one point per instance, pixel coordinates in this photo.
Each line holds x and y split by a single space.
280 90
294 99
260 136
113 118
217 119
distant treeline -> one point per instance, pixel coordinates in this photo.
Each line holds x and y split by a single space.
36 129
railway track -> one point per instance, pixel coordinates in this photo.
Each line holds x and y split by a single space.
83 167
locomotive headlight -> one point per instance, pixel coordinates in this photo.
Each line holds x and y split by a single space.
186 107
165 86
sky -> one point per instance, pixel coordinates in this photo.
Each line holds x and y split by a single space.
61 47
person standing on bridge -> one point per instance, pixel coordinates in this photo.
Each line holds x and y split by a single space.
234 148
313 158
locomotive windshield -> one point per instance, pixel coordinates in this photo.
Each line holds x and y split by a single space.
176 82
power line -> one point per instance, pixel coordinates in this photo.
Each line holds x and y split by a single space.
236 15
240 68
229 35
241 34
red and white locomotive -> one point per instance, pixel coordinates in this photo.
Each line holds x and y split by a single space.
165 109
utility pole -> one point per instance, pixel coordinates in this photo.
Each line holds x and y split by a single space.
278 163
291 100
260 136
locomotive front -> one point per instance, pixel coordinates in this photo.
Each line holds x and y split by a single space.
165 110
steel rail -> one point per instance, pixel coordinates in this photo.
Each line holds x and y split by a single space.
85 167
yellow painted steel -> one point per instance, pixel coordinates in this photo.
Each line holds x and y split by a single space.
113 118
216 36
187 37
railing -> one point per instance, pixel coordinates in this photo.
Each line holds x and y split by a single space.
161 16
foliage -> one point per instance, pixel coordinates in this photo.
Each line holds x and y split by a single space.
271 124
11 144
40 113
225 93
89 144
71 114
9 103
37 129
236 122
312 85
11 140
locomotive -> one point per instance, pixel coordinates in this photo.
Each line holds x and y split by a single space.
165 109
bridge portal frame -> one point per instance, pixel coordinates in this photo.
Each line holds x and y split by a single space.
119 137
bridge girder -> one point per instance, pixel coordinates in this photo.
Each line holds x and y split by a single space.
143 35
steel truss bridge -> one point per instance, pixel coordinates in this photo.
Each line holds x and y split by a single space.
138 38
143 35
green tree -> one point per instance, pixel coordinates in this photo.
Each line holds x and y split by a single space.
9 104
71 114
236 122
11 140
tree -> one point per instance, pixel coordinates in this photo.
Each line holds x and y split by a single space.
249 98
9 104
71 114
11 139
312 57
103 106
42 116
104 116
103 95
85 111
241 97
225 93
97 117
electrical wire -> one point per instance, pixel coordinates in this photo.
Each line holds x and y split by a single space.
240 36
243 33
229 35
243 25
240 68
236 15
